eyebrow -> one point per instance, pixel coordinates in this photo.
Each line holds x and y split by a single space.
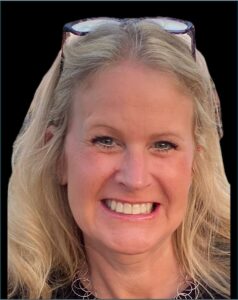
168 134
155 135
104 126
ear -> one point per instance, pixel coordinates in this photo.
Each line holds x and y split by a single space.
199 148
49 133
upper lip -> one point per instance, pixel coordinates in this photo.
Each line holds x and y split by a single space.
130 200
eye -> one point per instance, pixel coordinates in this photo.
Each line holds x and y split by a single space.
164 146
104 141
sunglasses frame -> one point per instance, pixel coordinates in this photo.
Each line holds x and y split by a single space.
190 30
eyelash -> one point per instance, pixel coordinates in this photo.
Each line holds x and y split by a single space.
167 146
102 141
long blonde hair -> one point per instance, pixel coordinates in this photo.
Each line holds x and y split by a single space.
45 249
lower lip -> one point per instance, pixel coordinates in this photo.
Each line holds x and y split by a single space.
131 217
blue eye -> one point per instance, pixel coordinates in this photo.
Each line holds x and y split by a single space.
164 146
104 141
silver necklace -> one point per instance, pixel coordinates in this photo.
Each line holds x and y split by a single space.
79 290
190 292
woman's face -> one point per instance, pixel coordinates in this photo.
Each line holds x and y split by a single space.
128 158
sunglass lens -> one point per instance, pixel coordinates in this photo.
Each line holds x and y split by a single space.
171 24
89 25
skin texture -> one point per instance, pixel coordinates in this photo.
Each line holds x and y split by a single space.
130 138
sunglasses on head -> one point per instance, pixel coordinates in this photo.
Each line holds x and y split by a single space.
171 25
179 27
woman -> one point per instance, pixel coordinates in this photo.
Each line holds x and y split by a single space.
118 188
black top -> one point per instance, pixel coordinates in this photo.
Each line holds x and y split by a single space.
189 293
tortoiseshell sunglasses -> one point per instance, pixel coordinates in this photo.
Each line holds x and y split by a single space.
171 25
174 26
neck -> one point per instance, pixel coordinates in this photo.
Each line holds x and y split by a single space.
154 274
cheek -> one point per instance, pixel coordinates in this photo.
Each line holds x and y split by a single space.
87 172
89 165
177 178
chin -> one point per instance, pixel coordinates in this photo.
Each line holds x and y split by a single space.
134 245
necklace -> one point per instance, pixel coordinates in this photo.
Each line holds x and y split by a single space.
190 292
79 290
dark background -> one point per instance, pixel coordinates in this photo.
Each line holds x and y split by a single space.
31 39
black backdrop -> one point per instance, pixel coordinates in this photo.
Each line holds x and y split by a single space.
31 38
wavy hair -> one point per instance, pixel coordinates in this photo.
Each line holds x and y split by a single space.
45 243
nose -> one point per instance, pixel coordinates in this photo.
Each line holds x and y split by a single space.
133 172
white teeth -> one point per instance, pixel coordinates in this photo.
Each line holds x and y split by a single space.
143 208
136 209
126 208
119 207
113 204
148 207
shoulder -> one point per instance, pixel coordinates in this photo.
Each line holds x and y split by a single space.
194 291
211 294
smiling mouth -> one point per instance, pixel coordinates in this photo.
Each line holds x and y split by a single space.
128 208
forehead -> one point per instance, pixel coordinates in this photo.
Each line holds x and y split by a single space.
130 95
125 68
